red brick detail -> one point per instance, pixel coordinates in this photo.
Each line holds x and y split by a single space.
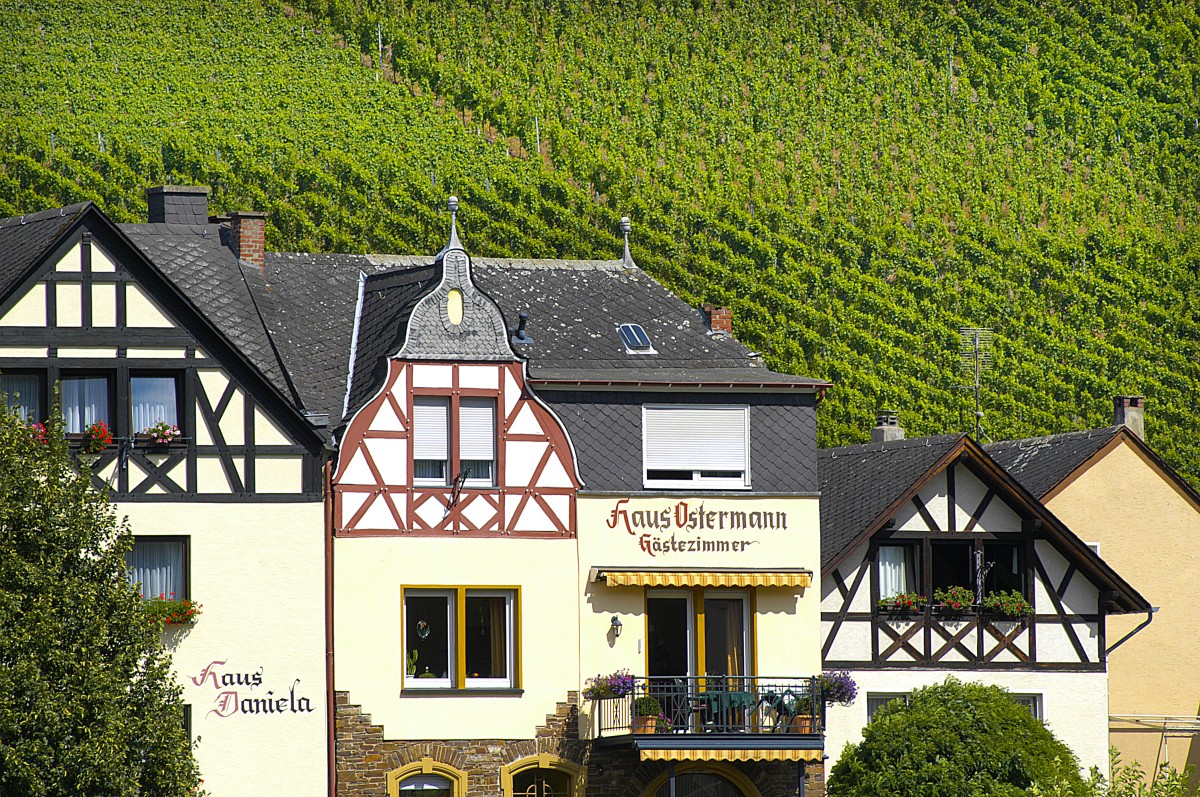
248 231
719 318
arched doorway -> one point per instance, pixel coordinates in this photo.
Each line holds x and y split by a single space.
702 779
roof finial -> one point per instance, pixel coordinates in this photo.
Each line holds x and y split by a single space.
625 227
452 203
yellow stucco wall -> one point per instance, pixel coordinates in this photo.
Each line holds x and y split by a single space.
371 571
258 571
786 623
1150 535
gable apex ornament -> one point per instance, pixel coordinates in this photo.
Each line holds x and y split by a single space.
457 321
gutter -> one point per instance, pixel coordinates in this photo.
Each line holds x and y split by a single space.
626 384
330 700
1127 637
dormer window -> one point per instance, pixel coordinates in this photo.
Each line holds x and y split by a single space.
690 446
635 339
474 435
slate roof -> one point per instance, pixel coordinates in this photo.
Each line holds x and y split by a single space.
859 482
24 239
1040 463
196 260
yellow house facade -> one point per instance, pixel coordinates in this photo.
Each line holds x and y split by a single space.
1144 520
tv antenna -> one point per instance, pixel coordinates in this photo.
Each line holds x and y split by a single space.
975 358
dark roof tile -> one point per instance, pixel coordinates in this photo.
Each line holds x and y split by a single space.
1040 463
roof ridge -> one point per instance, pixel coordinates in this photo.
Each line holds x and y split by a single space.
1085 434
892 445
44 215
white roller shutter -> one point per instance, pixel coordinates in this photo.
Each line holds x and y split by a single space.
477 429
431 425
695 438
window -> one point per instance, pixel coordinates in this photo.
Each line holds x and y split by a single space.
153 399
23 395
1031 702
460 638
897 570
187 720
427 786
160 566
696 446
952 564
431 439
1005 572
84 402
877 700
476 439
635 339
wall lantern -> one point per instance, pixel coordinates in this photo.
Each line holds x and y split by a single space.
616 626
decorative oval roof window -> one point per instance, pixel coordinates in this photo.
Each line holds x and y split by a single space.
454 306
635 339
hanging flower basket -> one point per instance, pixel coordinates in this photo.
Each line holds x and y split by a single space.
166 610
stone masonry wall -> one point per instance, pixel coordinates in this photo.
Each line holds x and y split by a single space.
364 757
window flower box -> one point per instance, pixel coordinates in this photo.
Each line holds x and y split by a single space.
904 603
954 601
1008 604
167 610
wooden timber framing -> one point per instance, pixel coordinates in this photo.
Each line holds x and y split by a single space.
190 350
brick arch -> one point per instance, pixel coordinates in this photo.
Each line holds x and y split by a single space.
742 782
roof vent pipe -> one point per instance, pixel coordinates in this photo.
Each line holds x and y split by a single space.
626 226
1130 412
887 427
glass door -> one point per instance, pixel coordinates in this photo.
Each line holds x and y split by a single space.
669 635
725 642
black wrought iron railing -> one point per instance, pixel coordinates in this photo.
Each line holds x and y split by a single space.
714 704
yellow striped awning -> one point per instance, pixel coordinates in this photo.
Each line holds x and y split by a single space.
663 577
748 754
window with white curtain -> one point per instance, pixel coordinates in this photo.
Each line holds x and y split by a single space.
477 440
158 565
152 399
696 446
23 395
897 571
431 439
84 402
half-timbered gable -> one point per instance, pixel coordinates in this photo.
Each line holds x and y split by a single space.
453 442
132 337
936 561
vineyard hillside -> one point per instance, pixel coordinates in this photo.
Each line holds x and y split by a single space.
856 180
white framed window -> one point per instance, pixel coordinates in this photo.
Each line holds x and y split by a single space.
434 439
696 446
460 638
431 439
877 700
477 441
1033 702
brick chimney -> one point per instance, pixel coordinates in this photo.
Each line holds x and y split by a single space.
1130 412
719 319
887 427
248 231
177 204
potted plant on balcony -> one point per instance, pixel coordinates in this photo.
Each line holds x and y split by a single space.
646 711
836 686
954 600
1010 604
602 687
902 603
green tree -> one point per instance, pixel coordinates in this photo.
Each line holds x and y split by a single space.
954 739
87 700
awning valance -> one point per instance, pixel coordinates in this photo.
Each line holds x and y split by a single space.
748 754
702 577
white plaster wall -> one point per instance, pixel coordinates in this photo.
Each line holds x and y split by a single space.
1074 705
258 571
369 573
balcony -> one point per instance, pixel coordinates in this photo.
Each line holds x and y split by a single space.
716 718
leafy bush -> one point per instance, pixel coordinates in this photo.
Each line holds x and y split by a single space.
953 739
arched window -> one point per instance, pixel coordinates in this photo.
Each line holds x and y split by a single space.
427 778
702 779
542 775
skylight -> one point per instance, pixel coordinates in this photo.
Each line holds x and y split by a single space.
635 339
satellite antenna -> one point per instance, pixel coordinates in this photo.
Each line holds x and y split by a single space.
975 357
